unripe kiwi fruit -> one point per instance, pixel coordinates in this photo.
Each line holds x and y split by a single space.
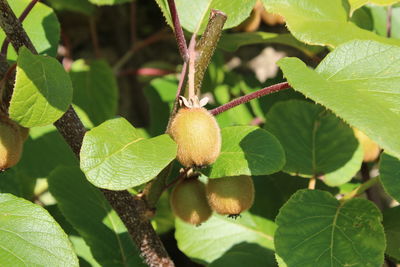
198 137
230 195
10 143
189 203
371 149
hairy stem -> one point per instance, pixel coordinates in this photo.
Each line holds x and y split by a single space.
205 47
246 98
132 211
179 36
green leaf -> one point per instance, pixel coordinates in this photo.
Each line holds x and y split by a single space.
315 229
355 4
43 90
95 89
391 218
29 236
232 42
272 191
115 156
316 22
17 182
44 151
196 13
41 25
246 254
108 2
390 175
81 6
247 150
368 98
199 242
92 216
322 145
161 94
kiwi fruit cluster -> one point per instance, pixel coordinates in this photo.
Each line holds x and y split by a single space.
12 137
193 201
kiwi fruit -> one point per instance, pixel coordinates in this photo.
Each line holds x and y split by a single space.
230 195
10 143
189 203
198 137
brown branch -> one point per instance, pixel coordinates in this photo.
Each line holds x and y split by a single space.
246 98
179 36
132 211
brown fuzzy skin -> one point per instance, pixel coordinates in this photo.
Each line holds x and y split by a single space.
230 195
10 143
198 137
189 203
24 132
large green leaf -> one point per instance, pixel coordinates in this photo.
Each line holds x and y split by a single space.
317 22
196 13
41 25
246 254
231 42
115 156
391 218
43 90
29 236
355 4
108 2
322 145
85 207
363 88
160 93
95 89
247 150
390 175
200 242
315 229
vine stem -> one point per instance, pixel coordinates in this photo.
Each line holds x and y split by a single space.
361 188
246 98
389 21
133 211
21 18
179 36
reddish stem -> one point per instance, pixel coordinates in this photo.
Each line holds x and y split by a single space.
180 37
145 72
389 22
22 17
246 98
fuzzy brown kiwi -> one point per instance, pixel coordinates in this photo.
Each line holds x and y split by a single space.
189 203
230 195
10 143
198 137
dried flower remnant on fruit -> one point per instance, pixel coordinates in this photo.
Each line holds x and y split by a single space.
197 134
189 203
230 195
10 143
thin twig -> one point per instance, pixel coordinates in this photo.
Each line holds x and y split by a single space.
181 176
24 14
389 21
133 17
158 36
93 35
246 98
180 37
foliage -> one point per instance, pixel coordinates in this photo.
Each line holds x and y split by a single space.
341 64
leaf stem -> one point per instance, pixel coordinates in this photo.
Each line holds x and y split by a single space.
361 188
179 36
95 39
312 182
246 98
389 21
